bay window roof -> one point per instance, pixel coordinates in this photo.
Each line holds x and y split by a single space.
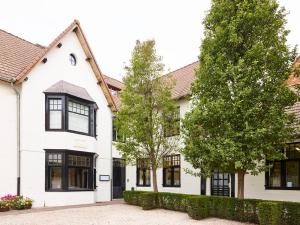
63 87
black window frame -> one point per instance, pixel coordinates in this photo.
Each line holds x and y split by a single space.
143 166
65 170
66 98
283 169
172 166
172 124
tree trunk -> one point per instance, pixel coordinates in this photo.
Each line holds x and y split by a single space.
154 177
241 182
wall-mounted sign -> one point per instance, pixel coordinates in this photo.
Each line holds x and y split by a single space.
104 178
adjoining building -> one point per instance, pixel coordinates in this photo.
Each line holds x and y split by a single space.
282 182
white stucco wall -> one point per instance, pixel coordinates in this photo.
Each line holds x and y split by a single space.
189 184
8 140
34 138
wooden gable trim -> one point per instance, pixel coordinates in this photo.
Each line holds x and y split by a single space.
75 27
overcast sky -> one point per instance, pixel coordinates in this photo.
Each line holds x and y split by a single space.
113 26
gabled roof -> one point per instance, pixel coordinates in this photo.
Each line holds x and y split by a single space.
183 78
15 55
293 80
112 82
35 55
63 87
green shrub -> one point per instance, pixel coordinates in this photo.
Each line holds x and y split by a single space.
199 207
270 213
133 197
173 201
149 200
290 213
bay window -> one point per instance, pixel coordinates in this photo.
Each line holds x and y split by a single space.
285 174
72 114
68 170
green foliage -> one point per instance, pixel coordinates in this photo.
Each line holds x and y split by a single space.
269 213
240 96
199 207
133 197
149 200
172 201
290 214
146 104
244 210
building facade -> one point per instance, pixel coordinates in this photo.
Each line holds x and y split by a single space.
56 121
282 182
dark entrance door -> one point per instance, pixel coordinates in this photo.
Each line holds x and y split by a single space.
119 176
220 184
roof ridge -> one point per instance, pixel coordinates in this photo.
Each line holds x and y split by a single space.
36 45
179 68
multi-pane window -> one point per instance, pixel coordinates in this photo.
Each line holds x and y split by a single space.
172 124
143 175
55 170
171 171
285 174
55 113
69 171
78 117
65 113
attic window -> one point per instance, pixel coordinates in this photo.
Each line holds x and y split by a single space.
72 59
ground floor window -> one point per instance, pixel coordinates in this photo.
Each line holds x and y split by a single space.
68 170
285 174
143 172
171 171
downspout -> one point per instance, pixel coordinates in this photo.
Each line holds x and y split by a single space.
18 102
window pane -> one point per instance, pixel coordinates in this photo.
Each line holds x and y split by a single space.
275 175
140 178
147 177
55 119
78 122
177 176
78 178
168 177
292 174
55 178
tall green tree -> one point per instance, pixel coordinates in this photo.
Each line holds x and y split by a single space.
240 96
146 107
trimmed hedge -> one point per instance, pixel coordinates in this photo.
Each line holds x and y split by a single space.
200 207
269 213
244 210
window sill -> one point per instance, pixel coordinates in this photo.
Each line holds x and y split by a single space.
75 190
283 188
70 131
143 185
170 186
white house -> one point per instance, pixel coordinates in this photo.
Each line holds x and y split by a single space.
282 182
56 121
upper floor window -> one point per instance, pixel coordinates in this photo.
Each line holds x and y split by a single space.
66 113
143 176
171 171
285 174
172 124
